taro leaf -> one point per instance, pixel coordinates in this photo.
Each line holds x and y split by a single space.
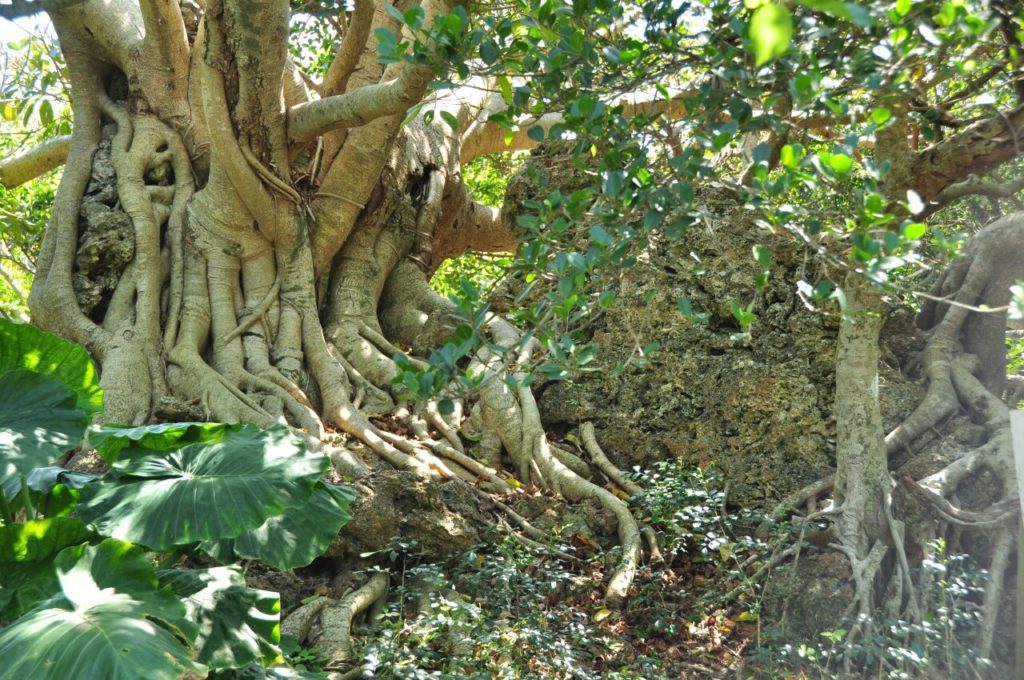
39 423
54 490
25 346
203 491
27 574
237 624
111 440
96 629
43 479
294 538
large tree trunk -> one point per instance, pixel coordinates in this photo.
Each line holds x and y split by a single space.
273 247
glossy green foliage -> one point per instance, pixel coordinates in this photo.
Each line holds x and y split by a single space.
79 601
111 440
23 346
109 620
295 537
27 551
237 624
203 491
39 424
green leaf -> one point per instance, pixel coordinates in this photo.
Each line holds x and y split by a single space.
39 423
414 17
110 440
841 163
880 115
452 121
489 52
411 114
203 491
27 552
45 112
505 87
25 346
237 624
848 11
788 156
446 407
109 622
39 540
914 231
612 182
771 29
52 489
294 538
763 256
456 21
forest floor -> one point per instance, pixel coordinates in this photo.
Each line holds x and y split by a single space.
499 609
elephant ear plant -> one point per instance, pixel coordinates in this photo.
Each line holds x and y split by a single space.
82 591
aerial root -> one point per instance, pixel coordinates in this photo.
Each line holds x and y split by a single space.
447 430
619 478
327 623
805 496
571 484
606 466
654 553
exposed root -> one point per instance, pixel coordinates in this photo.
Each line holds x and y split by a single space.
963 361
606 466
327 624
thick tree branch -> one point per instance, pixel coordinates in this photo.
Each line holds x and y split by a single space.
404 86
355 109
166 48
976 186
478 228
351 48
976 150
29 164
489 137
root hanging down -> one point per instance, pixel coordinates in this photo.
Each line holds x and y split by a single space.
964 363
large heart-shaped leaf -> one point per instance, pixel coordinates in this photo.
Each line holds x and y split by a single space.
53 490
23 346
111 441
39 423
205 491
294 538
27 552
110 621
237 624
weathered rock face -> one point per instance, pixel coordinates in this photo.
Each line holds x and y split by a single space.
395 506
759 405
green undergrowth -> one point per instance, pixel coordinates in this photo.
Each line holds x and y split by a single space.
501 610
506 611
140 571
938 646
